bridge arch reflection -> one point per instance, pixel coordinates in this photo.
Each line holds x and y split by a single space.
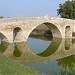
47 30
27 55
3 43
52 48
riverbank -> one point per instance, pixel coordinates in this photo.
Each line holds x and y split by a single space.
9 67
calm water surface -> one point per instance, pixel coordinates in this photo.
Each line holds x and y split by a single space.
64 65
49 56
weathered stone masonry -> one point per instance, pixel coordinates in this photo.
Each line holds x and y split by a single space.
27 25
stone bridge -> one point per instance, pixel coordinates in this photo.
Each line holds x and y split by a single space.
24 26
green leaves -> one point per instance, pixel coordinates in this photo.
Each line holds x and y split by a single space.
67 10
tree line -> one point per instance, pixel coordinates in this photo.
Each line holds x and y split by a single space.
67 9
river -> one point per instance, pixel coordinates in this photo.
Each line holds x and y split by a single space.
49 56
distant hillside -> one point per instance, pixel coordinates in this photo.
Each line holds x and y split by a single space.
1 17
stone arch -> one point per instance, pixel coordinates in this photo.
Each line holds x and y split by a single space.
17 34
52 27
55 34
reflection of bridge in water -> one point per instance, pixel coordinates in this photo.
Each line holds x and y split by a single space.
27 57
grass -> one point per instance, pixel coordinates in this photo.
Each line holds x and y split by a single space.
9 67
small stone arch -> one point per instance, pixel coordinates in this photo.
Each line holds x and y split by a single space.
17 34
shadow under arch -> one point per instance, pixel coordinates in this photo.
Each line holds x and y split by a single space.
3 43
49 28
54 30
51 31
17 34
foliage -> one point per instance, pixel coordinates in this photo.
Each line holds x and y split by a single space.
67 10
1 17
67 65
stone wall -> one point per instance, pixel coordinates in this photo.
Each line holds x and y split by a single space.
28 24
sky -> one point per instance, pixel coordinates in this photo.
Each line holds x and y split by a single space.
27 8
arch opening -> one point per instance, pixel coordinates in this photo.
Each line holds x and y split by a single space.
17 34
46 32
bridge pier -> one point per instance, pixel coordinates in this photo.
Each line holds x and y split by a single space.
8 34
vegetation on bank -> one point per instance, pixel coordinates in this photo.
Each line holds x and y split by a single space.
68 65
67 9
1 17
9 67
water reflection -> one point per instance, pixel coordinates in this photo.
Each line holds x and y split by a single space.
54 60
43 45
52 48
67 44
16 52
55 51
3 47
39 46
67 65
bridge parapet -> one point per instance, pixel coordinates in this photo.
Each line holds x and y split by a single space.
60 20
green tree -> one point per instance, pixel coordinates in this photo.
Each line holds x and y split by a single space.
67 10
1 17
